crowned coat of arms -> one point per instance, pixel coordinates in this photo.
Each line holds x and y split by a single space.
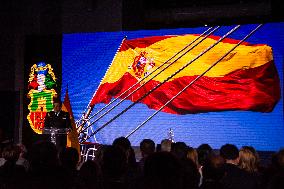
142 65
41 86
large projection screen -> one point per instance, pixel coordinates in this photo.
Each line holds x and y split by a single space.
87 56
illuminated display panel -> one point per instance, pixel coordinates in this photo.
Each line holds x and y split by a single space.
87 56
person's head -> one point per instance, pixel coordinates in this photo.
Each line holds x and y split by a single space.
23 150
213 168
162 170
57 105
147 147
43 155
179 149
11 153
114 162
166 145
248 159
192 155
69 158
90 173
122 143
230 153
203 151
280 158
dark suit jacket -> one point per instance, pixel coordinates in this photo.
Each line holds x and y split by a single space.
62 120
236 178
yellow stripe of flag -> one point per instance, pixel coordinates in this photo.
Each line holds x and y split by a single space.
244 56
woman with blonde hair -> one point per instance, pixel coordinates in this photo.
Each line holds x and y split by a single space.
249 159
249 162
192 155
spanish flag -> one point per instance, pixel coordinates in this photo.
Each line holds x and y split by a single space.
72 137
246 79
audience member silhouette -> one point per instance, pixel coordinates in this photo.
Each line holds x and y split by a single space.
249 161
44 167
4 140
162 170
147 147
213 172
22 160
90 175
125 145
234 177
133 170
180 149
166 145
11 174
69 158
276 181
114 168
203 151
190 174
193 156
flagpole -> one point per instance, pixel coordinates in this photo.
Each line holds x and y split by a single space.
85 116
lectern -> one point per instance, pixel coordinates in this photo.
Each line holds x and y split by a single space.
55 131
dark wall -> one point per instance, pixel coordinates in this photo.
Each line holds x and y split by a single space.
7 63
38 48
91 15
8 101
22 21
144 14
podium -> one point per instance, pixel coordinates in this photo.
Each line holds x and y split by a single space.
55 131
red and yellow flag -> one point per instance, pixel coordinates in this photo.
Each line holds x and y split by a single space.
72 137
246 79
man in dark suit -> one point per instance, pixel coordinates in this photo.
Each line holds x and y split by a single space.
58 119
234 177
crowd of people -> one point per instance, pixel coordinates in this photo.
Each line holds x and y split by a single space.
169 165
